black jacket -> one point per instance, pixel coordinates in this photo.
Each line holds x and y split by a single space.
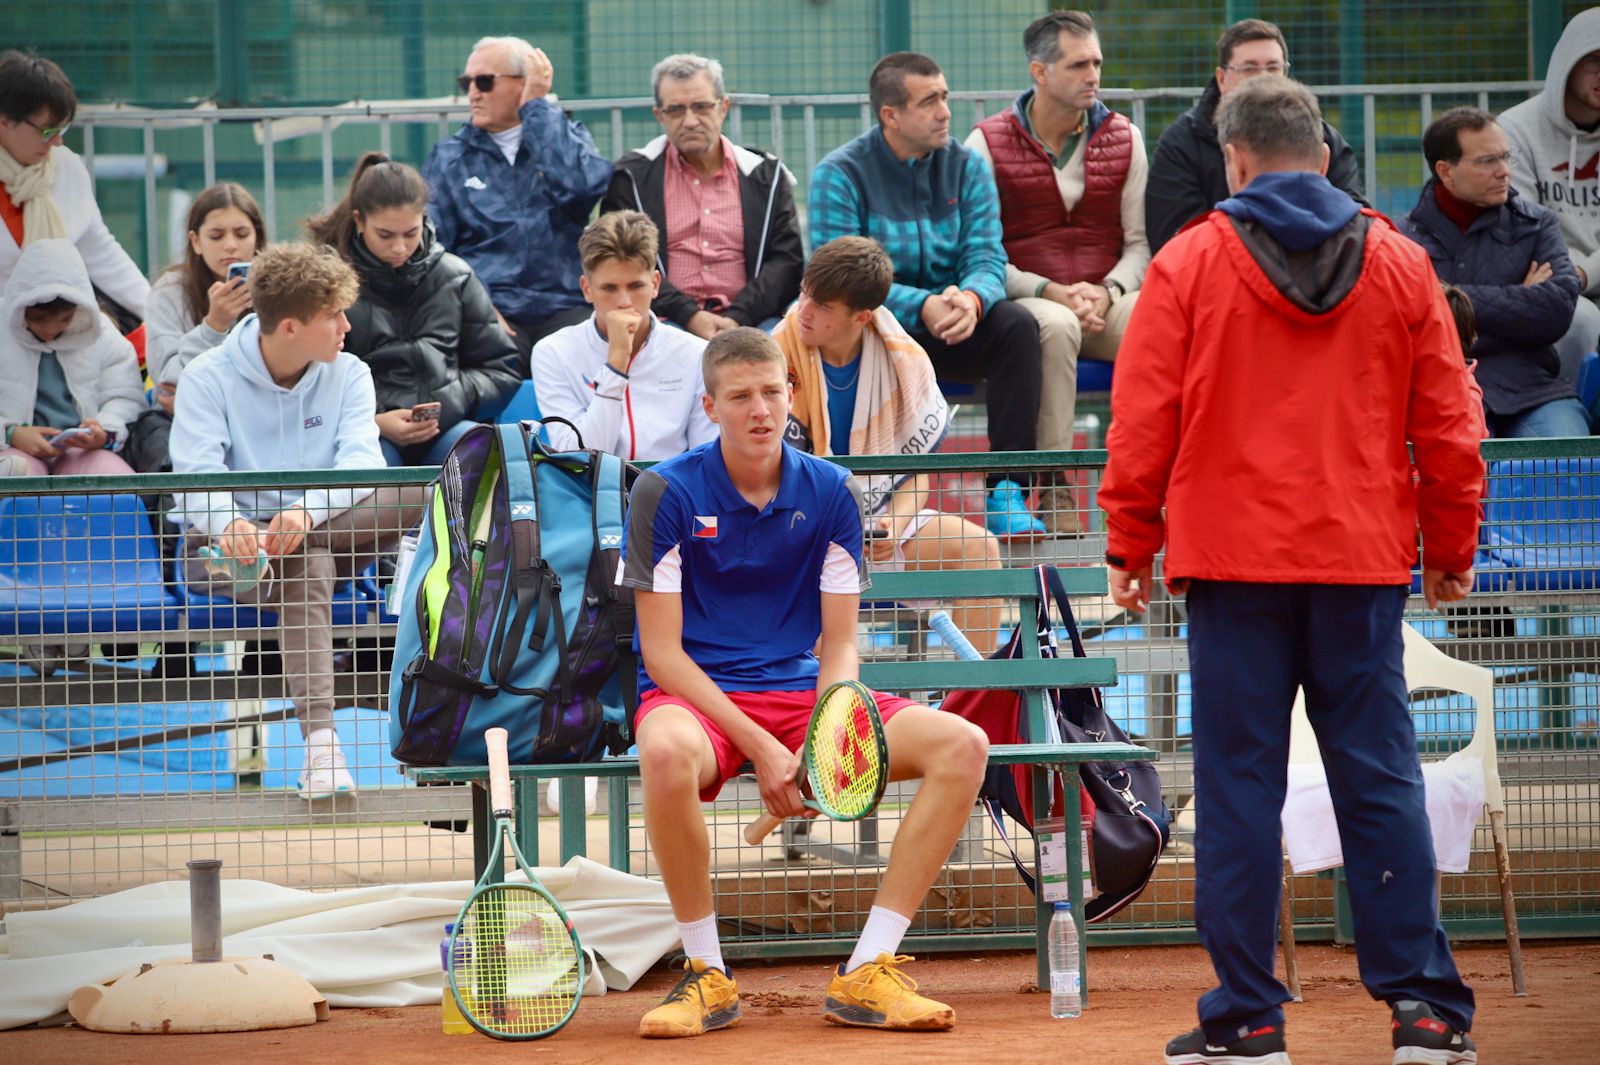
1518 324
429 333
774 257
1187 177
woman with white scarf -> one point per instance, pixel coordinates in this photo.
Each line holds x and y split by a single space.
45 192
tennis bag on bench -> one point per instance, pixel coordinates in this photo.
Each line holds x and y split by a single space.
1128 819
511 615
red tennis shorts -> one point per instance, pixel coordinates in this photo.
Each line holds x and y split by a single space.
783 714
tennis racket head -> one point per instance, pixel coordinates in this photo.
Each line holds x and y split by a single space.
516 969
846 755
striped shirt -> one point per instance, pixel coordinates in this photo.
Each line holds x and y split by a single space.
705 229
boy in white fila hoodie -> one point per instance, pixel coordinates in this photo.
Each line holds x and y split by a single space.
630 385
64 367
1555 161
280 394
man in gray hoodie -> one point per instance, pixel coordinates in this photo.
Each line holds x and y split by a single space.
1555 162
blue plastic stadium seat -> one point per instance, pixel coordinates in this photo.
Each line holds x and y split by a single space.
1589 383
1094 375
80 564
1542 519
524 406
190 764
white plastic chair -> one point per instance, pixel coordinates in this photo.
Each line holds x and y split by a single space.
1428 667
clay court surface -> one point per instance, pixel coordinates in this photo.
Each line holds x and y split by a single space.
1141 997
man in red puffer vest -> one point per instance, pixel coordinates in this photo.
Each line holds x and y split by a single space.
1071 175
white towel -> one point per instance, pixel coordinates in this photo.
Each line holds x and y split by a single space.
1455 799
373 946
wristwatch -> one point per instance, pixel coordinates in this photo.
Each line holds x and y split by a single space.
1114 289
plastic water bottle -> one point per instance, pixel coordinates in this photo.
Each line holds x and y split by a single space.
450 1016
1066 995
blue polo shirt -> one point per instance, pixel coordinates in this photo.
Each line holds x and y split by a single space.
751 580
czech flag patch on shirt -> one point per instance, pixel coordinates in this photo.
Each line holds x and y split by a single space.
705 527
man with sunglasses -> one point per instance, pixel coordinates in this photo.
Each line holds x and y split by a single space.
45 191
1555 161
512 190
1187 178
731 253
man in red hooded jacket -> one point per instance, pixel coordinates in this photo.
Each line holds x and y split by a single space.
1286 348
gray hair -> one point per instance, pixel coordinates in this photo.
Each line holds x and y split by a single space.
684 66
1042 39
517 51
1274 118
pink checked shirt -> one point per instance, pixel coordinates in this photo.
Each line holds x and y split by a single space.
705 229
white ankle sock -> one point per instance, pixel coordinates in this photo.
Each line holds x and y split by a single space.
700 941
325 737
881 935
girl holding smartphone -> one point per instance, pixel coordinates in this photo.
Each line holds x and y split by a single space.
423 322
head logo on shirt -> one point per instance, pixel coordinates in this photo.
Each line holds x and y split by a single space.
705 527
313 421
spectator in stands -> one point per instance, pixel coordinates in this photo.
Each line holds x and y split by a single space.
45 191
725 213
1555 161
1506 254
66 370
195 302
932 205
423 323
1286 350
279 394
630 386
862 386
1071 175
1187 177
514 187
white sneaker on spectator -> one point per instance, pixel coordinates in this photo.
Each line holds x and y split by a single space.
325 774
591 793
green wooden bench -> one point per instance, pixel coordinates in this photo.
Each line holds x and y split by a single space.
1030 674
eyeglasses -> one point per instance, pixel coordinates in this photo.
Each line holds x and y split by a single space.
1251 70
701 109
484 82
1490 162
49 133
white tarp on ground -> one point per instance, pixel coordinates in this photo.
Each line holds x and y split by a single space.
375 946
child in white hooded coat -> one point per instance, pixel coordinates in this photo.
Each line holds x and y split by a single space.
65 368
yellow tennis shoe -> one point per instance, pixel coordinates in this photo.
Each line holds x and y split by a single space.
879 995
704 1000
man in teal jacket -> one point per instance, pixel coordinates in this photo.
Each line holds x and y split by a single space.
932 204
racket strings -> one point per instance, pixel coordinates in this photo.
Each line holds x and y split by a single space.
847 759
514 962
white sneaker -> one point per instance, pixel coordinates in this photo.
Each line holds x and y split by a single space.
591 794
325 774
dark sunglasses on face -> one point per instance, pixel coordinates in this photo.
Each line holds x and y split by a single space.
484 82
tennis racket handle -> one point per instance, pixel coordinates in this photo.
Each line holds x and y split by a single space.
760 828
940 622
499 770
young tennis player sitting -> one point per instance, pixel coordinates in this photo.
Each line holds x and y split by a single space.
863 386
742 552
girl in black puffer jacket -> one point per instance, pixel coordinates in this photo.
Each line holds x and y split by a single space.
423 322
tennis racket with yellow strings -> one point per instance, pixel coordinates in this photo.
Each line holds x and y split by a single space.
516 966
844 761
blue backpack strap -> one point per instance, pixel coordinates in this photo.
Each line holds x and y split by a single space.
529 583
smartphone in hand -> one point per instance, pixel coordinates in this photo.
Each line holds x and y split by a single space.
66 436
239 270
425 412
875 532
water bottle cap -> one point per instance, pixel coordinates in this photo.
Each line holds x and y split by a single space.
450 929
1063 907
